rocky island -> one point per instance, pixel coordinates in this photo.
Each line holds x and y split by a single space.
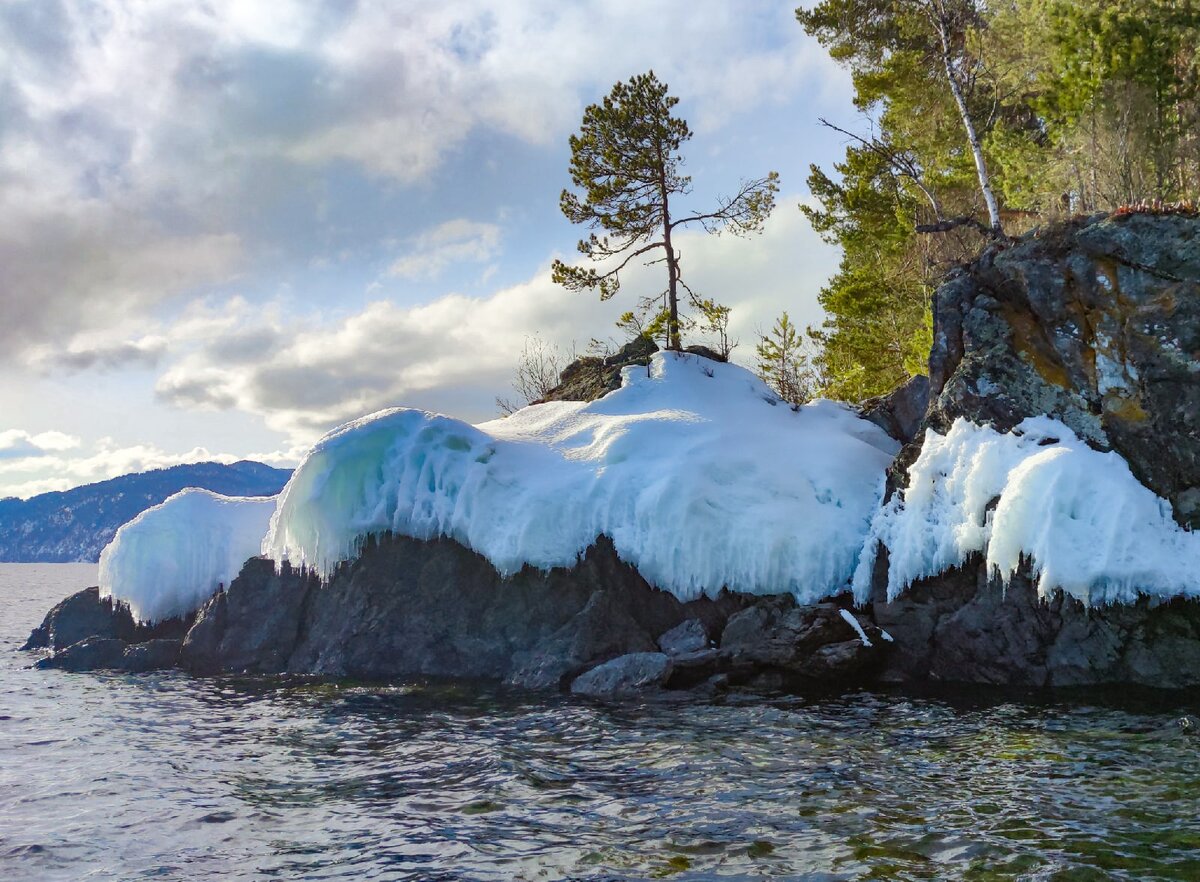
662 521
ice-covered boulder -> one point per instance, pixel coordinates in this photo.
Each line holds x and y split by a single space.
702 478
1057 468
172 557
1076 517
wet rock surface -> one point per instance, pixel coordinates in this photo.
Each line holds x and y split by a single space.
636 672
962 626
409 608
83 614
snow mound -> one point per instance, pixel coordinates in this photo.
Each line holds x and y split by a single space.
701 477
171 558
1086 523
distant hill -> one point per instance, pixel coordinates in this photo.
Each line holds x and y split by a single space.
74 525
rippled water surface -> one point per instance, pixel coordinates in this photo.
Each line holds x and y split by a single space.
162 776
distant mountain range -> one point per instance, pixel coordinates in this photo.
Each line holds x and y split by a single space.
74 525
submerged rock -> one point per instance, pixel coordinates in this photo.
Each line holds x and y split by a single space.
153 655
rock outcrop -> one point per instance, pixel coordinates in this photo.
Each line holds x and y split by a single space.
413 608
409 608
592 377
1097 324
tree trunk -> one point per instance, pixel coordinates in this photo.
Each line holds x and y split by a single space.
985 180
673 341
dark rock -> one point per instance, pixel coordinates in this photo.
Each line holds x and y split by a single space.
1094 322
90 654
700 666
811 642
253 625
963 626
87 614
83 614
153 655
688 636
705 352
408 607
592 377
900 412
636 672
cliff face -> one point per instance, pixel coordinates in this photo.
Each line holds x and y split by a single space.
1096 324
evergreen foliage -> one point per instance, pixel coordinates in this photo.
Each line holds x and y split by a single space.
626 161
782 363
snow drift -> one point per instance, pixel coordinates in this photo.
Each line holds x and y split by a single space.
697 472
1086 523
171 558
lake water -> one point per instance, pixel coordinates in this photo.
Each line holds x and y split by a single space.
167 777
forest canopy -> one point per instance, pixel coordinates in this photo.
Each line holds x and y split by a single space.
1051 107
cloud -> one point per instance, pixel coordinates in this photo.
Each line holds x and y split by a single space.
151 152
17 444
455 241
456 353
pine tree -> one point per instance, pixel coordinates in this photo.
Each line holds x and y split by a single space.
782 364
626 160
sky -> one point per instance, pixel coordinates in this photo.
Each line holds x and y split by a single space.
228 226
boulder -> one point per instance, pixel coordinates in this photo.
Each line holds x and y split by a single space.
636 672
83 614
901 412
800 643
685 637
89 654
1094 322
592 377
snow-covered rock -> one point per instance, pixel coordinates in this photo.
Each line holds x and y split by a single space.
702 478
1085 523
172 557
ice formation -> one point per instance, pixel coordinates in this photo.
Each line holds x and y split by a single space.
1085 522
171 558
697 472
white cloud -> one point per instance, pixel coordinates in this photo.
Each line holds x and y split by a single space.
456 353
137 137
455 241
17 444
